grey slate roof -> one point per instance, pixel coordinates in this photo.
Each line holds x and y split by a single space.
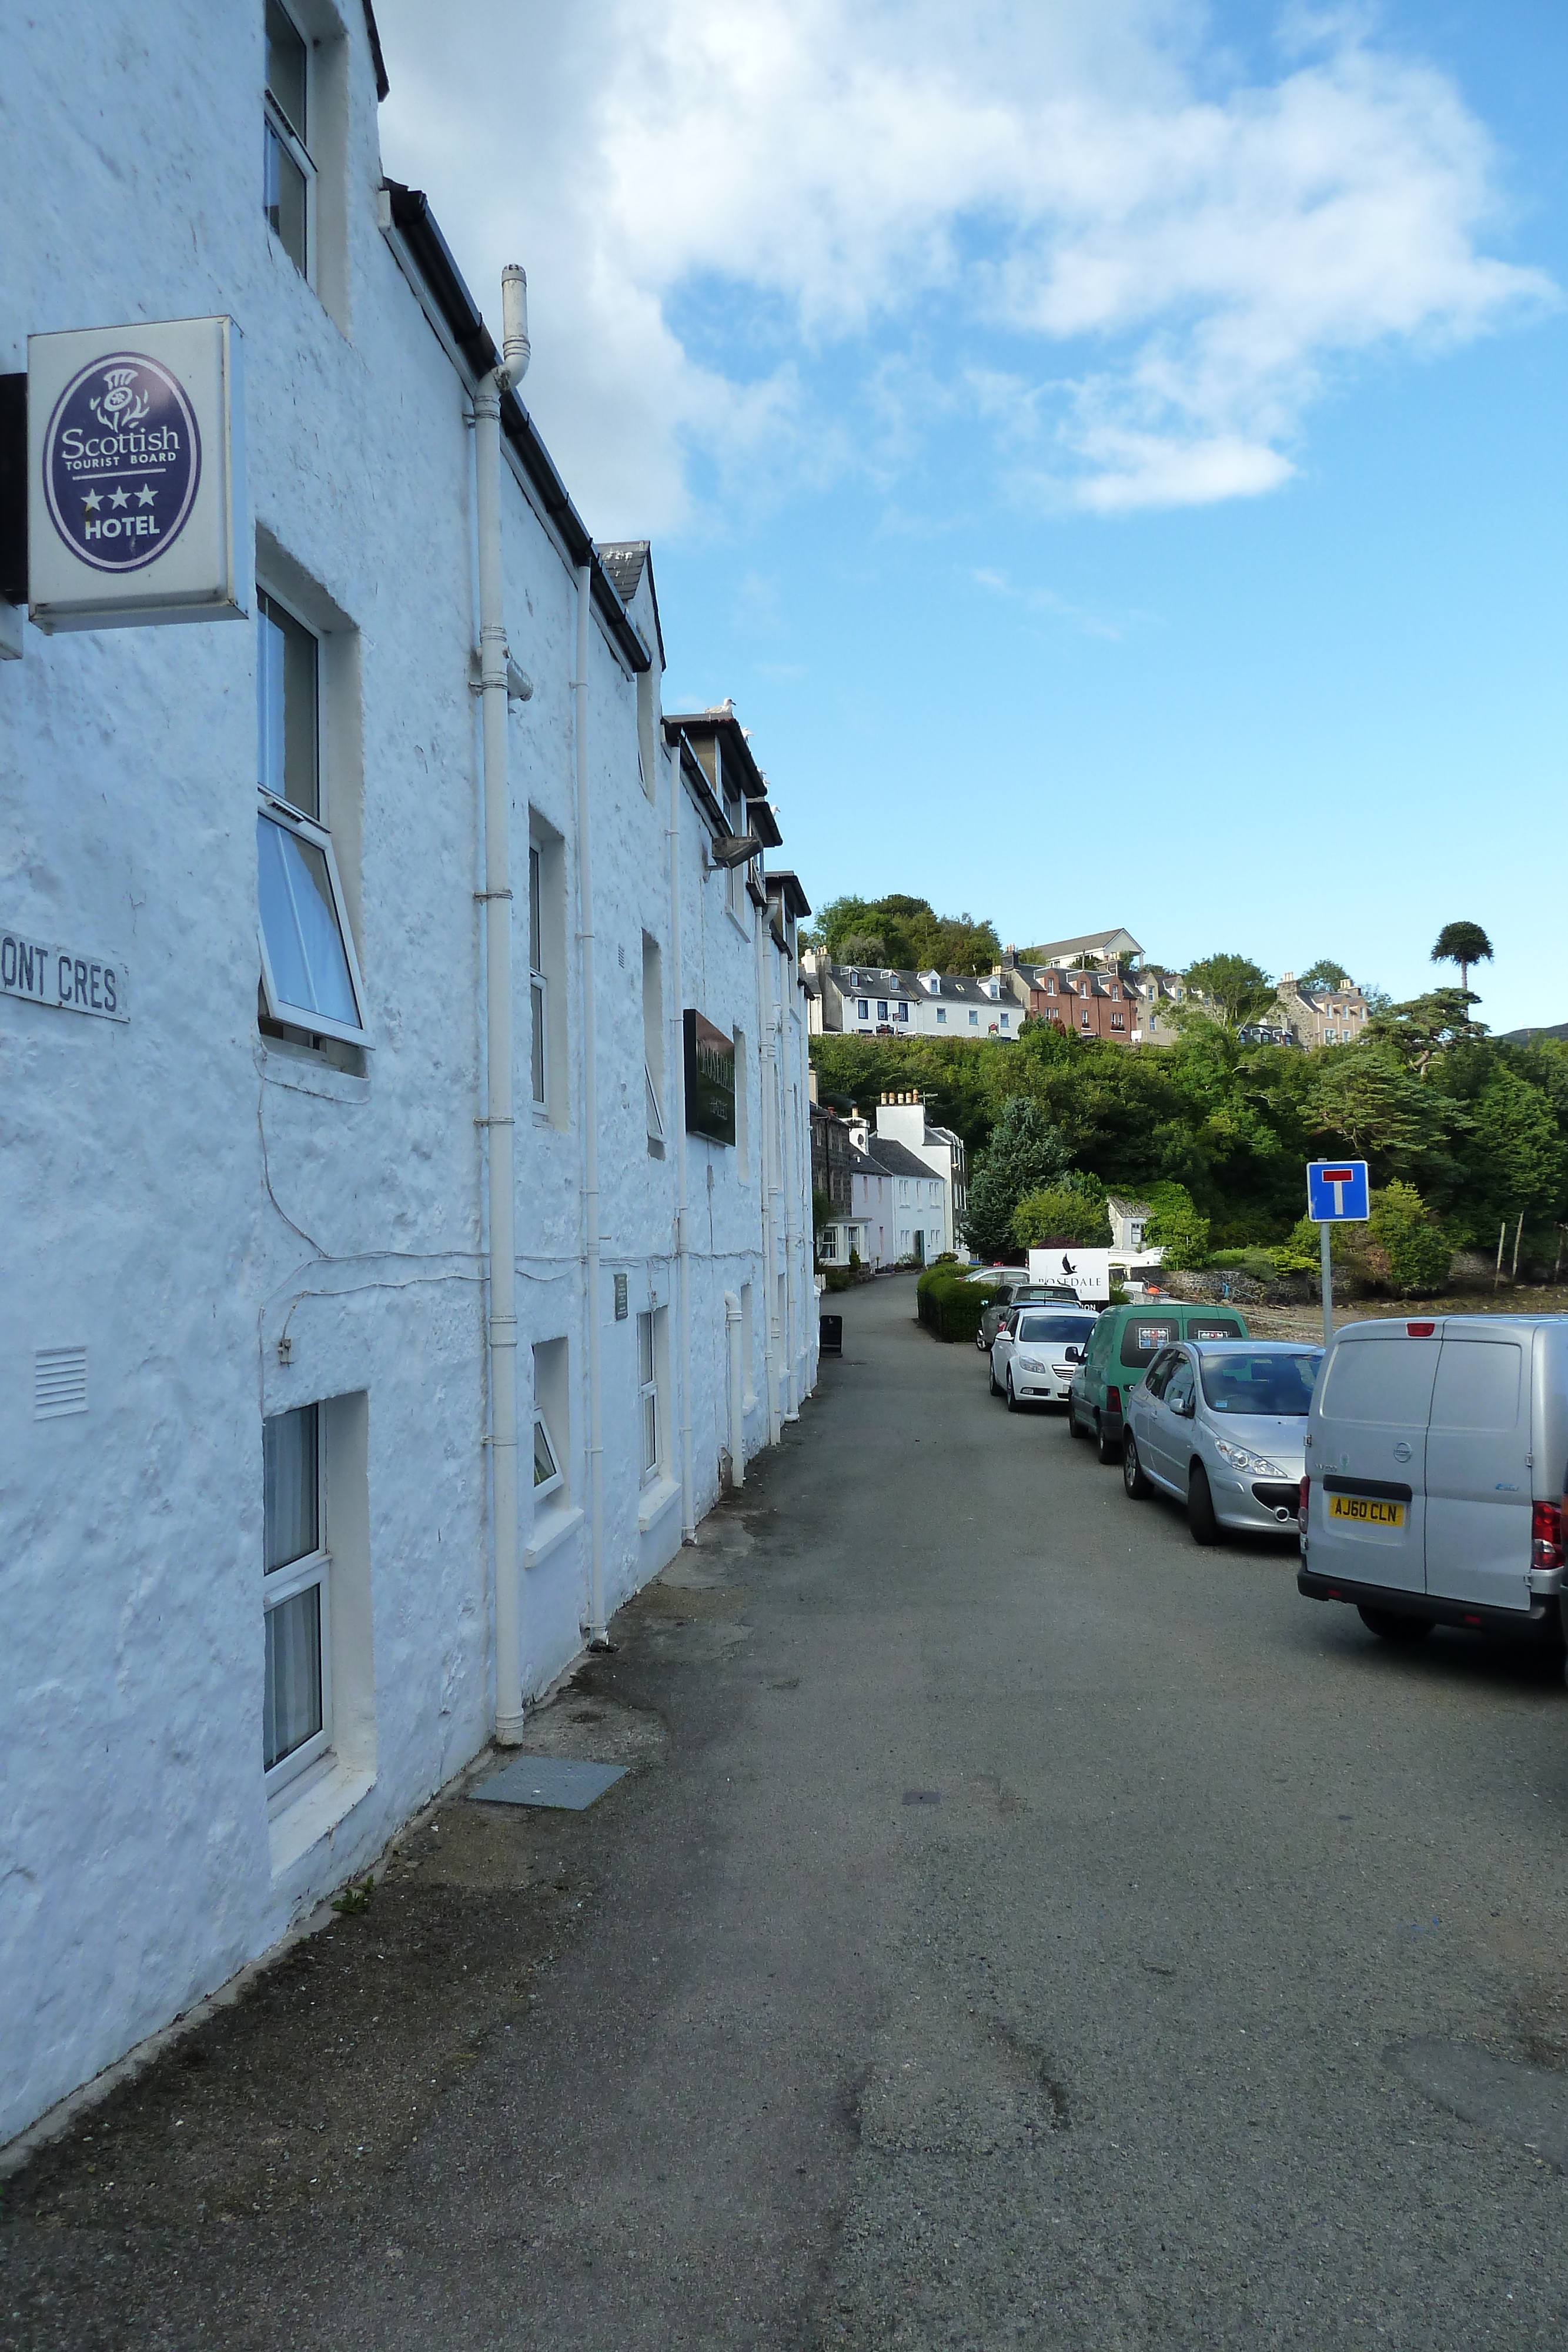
951 987
896 1159
623 559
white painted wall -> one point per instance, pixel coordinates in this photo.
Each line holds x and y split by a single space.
177 1195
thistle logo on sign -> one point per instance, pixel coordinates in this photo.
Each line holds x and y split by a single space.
123 462
136 505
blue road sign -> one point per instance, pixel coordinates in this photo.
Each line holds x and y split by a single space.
1336 1191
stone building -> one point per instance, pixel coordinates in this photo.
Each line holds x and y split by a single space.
404 924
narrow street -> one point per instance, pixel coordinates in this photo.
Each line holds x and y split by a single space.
1018 1927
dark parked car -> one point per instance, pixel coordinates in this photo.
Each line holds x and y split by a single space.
1019 1291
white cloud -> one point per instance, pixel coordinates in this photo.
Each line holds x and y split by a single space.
775 240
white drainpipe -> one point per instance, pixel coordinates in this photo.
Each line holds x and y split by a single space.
736 1398
678 1144
498 897
598 1636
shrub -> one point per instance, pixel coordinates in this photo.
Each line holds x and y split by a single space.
949 1307
1403 1227
1176 1226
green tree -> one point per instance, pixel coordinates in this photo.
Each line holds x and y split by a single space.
1237 988
1464 944
1519 1160
1174 1226
1324 973
904 933
1404 1230
1367 1100
1025 1152
1423 1027
1072 1210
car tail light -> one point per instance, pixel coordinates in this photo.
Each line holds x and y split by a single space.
1113 1400
1546 1535
1420 1330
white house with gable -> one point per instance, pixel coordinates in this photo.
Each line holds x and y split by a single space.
401 1044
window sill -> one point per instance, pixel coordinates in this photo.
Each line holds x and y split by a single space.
552 1525
310 1808
304 1076
744 928
657 1500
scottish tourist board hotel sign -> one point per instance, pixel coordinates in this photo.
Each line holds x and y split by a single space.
135 476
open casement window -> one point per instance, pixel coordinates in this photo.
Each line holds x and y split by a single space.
296 1703
310 974
547 1466
538 1005
648 1396
656 1117
288 173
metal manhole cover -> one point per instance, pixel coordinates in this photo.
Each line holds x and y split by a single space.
555 1780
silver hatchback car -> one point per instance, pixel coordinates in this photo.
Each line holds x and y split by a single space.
1222 1425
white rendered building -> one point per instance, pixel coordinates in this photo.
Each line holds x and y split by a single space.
273 1572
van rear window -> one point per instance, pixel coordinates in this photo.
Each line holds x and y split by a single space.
1478 1384
1144 1335
1384 1381
1220 1327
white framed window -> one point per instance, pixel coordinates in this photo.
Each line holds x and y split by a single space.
288 174
942 1015
309 972
547 1460
1004 1021
862 1010
538 986
973 1020
653 1044
648 1413
904 1012
882 1008
297 1704
830 1243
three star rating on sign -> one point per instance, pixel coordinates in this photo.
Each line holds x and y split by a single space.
145 497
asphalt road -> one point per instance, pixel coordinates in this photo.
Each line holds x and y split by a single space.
1020 1927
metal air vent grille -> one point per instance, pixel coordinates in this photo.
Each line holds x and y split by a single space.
60 1381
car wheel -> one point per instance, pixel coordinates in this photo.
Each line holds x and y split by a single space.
1108 1448
1205 1528
1393 1625
1013 1405
991 1376
1133 1478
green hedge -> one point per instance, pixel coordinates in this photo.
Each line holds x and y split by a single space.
949 1307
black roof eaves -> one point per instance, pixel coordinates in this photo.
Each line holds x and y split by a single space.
382 85
788 885
420 233
761 821
701 791
724 724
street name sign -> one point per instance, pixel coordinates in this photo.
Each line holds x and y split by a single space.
1336 1191
136 476
62 977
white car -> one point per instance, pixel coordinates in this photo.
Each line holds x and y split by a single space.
1036 1352
1222 1424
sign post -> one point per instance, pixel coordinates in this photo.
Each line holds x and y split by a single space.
1336 1195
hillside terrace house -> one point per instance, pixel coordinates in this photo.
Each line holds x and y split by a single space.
373 1262
1319 1016
865 1001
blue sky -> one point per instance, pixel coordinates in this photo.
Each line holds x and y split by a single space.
1111 450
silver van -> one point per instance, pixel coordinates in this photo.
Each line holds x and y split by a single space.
1435 1453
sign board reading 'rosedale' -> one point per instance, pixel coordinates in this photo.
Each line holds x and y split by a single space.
135 476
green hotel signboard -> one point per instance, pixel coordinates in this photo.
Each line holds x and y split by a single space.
710 1080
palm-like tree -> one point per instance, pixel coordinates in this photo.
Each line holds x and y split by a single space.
1464 944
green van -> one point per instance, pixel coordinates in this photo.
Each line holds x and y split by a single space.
1125 1342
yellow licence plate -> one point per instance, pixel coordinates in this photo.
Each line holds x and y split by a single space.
1368 1509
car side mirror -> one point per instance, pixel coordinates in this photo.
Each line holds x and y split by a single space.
1073 1355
